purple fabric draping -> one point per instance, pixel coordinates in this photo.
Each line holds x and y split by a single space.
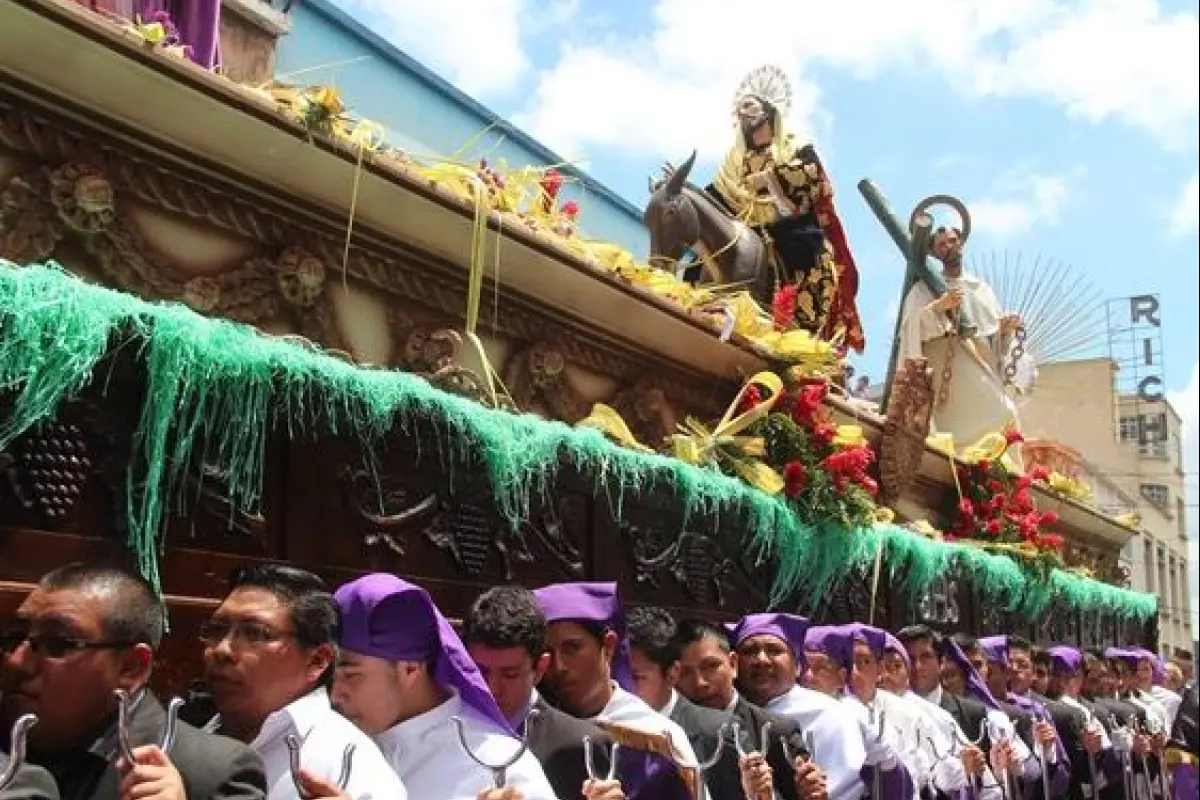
976 688
199 24
197 21
1184 783
895 784
385 617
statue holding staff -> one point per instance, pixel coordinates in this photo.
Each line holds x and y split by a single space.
953 321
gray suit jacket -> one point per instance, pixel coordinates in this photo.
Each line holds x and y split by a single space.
31 783
212 767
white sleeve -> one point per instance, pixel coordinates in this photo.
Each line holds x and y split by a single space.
839 751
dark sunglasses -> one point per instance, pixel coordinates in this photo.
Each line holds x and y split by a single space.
52 646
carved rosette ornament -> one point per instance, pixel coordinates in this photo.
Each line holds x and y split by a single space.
902 445
301 277
537 377
647 411
28 229
83 197
202 293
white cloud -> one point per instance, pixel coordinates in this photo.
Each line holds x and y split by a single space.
1020 202
1125 59
475 44
1184 216
658 93
1187 402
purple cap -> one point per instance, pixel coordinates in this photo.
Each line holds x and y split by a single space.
598 603
385 617
995 649
1120 654
893 645
976 688
1156 664
835 641
1065 660
790 628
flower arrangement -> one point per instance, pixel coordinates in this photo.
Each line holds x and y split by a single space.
996 509
825 466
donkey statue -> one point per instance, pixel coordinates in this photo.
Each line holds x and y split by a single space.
682 217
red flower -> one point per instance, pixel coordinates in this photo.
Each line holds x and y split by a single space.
1022 482
994 486
825 432
795 479
983 465
966 509
868 483
1050 541
808 404
1040 474
570 209
1050 518
750 398
1013 436
994 527
783 307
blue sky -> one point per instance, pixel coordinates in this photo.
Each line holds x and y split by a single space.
1069 127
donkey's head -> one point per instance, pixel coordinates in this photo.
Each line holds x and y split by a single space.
671 216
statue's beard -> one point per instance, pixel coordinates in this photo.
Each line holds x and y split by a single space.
752 125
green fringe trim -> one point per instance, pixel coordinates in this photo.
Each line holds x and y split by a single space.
219 387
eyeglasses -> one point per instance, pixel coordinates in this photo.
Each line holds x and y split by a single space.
249 634
57 647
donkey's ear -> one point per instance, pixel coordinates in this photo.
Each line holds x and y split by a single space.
651 184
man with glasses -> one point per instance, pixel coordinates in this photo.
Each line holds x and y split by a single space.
269 653
83 633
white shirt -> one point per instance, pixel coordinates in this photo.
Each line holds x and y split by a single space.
910 732
1169 701
427 755
838 747
931 704
1000 728
625 708
669 708
324 734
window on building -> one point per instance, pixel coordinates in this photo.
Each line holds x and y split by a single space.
1181 517
1131 429
1158 494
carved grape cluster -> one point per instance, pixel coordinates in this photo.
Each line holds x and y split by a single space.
55 462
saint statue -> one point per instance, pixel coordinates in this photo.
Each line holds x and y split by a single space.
970 371
780 189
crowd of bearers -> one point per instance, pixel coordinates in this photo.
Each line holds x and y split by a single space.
365 691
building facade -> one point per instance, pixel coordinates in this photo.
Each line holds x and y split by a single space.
1130 455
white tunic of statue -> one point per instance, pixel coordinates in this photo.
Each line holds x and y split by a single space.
427 755
838 747
977 403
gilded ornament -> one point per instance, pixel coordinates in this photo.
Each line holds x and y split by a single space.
301 277
202 293
84 197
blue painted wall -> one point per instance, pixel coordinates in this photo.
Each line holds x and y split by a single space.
426 116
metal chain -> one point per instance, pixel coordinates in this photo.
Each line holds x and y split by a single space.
1018 352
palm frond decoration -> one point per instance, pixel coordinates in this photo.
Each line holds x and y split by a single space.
1062 309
